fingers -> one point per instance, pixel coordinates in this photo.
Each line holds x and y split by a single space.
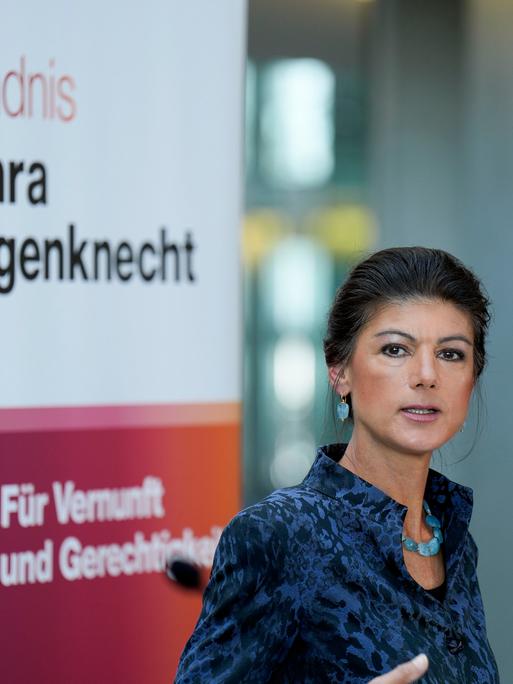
405 673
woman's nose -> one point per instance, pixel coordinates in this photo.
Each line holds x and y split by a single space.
423 370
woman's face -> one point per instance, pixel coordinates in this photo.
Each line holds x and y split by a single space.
412 374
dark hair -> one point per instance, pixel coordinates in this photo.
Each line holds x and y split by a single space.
397 275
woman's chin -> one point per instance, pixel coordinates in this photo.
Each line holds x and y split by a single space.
422 446
421 443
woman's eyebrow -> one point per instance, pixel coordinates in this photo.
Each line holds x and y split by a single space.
441 340
461 338
396 332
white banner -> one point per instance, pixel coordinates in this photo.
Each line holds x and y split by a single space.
120 184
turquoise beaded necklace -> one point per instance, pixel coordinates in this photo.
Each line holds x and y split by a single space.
432 547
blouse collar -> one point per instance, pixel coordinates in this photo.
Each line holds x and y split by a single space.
451 502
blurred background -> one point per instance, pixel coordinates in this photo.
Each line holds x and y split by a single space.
372 124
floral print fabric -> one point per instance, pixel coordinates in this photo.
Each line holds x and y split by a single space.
310 585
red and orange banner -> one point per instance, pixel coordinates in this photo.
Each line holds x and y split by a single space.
88 518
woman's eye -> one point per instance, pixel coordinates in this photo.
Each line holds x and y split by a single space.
452 355
394 350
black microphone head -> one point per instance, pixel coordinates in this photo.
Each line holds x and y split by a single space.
184 572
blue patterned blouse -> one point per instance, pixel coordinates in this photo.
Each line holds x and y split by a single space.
309 585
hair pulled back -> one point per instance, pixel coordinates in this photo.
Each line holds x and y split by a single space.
401 274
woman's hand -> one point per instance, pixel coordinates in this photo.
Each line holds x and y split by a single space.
405 673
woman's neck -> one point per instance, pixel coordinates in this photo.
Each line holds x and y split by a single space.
401 476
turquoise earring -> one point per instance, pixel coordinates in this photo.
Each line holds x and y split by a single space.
342 409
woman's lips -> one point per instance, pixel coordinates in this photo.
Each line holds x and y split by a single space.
420 415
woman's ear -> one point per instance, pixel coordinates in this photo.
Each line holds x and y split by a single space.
339 380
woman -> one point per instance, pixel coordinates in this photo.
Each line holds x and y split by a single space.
369 561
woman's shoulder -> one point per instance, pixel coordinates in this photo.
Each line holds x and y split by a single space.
282 506
286 521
